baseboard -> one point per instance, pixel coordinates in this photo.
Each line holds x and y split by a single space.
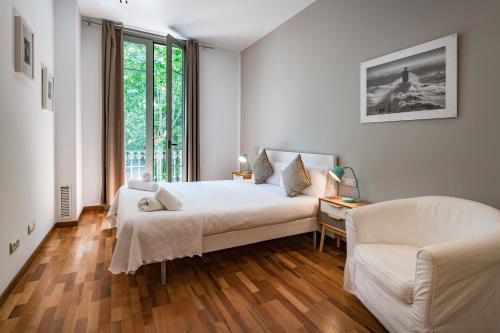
96 208
68 224
24 268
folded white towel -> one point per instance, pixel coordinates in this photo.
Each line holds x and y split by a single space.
146 177
168 199
149 204
137 184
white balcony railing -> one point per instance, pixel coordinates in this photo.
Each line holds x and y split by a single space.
135 165
177 165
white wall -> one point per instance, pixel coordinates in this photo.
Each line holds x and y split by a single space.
219 113
314 97
26 138
67 106
91 114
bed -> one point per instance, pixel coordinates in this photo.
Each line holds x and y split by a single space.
216 215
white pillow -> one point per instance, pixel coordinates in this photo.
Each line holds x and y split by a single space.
318 176
275 177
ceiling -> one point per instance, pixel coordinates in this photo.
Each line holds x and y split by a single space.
229 24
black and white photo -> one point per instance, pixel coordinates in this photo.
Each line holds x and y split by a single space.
416 83
24 44
47 90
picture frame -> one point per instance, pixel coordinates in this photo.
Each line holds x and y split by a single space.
24 48
47 90
419 82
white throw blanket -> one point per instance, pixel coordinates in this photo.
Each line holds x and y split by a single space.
137 184
149 205
178 237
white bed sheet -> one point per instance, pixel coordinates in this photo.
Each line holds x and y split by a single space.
209 208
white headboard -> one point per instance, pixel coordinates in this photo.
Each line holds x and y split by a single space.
308 159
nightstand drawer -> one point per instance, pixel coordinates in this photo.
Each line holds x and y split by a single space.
335 211
332 217
337 224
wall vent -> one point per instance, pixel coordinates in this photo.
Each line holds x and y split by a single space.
64 202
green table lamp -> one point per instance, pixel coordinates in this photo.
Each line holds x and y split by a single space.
244 160
337 173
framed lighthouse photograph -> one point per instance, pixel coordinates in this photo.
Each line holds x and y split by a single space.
416 83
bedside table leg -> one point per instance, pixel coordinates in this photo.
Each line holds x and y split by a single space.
314 239
322 240
338 240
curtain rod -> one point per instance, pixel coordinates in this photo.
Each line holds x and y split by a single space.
90 21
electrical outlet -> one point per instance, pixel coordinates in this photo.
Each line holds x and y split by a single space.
31 227
14 245
349 182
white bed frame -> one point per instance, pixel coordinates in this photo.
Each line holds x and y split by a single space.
231 239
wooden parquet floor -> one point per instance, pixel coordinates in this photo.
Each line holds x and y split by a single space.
275 286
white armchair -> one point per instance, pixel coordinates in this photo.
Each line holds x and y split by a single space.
429 264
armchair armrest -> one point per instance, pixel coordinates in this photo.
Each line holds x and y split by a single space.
459 280
458 260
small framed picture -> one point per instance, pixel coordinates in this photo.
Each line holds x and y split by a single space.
47 90
416 83
25 51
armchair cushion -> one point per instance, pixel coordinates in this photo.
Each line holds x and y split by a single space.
390 266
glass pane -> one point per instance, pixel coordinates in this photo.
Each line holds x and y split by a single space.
177 60
177 113
160 113
134 84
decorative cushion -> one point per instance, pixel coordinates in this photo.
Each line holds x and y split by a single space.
295 177
390 266
262 168
316 188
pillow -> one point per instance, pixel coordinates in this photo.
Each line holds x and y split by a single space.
262 168
295 177
329 190
275 177
318 177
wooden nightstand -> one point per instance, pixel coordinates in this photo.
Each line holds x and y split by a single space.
241 175
332 212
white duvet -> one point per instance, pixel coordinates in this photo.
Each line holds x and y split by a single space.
208 208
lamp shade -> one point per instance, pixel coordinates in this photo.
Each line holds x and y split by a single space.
243 158
337 173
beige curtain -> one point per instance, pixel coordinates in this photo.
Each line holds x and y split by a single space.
192 113
113 160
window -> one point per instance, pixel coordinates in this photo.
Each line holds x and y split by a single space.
154 106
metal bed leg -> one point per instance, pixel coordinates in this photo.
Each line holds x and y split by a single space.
314 239
163 273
